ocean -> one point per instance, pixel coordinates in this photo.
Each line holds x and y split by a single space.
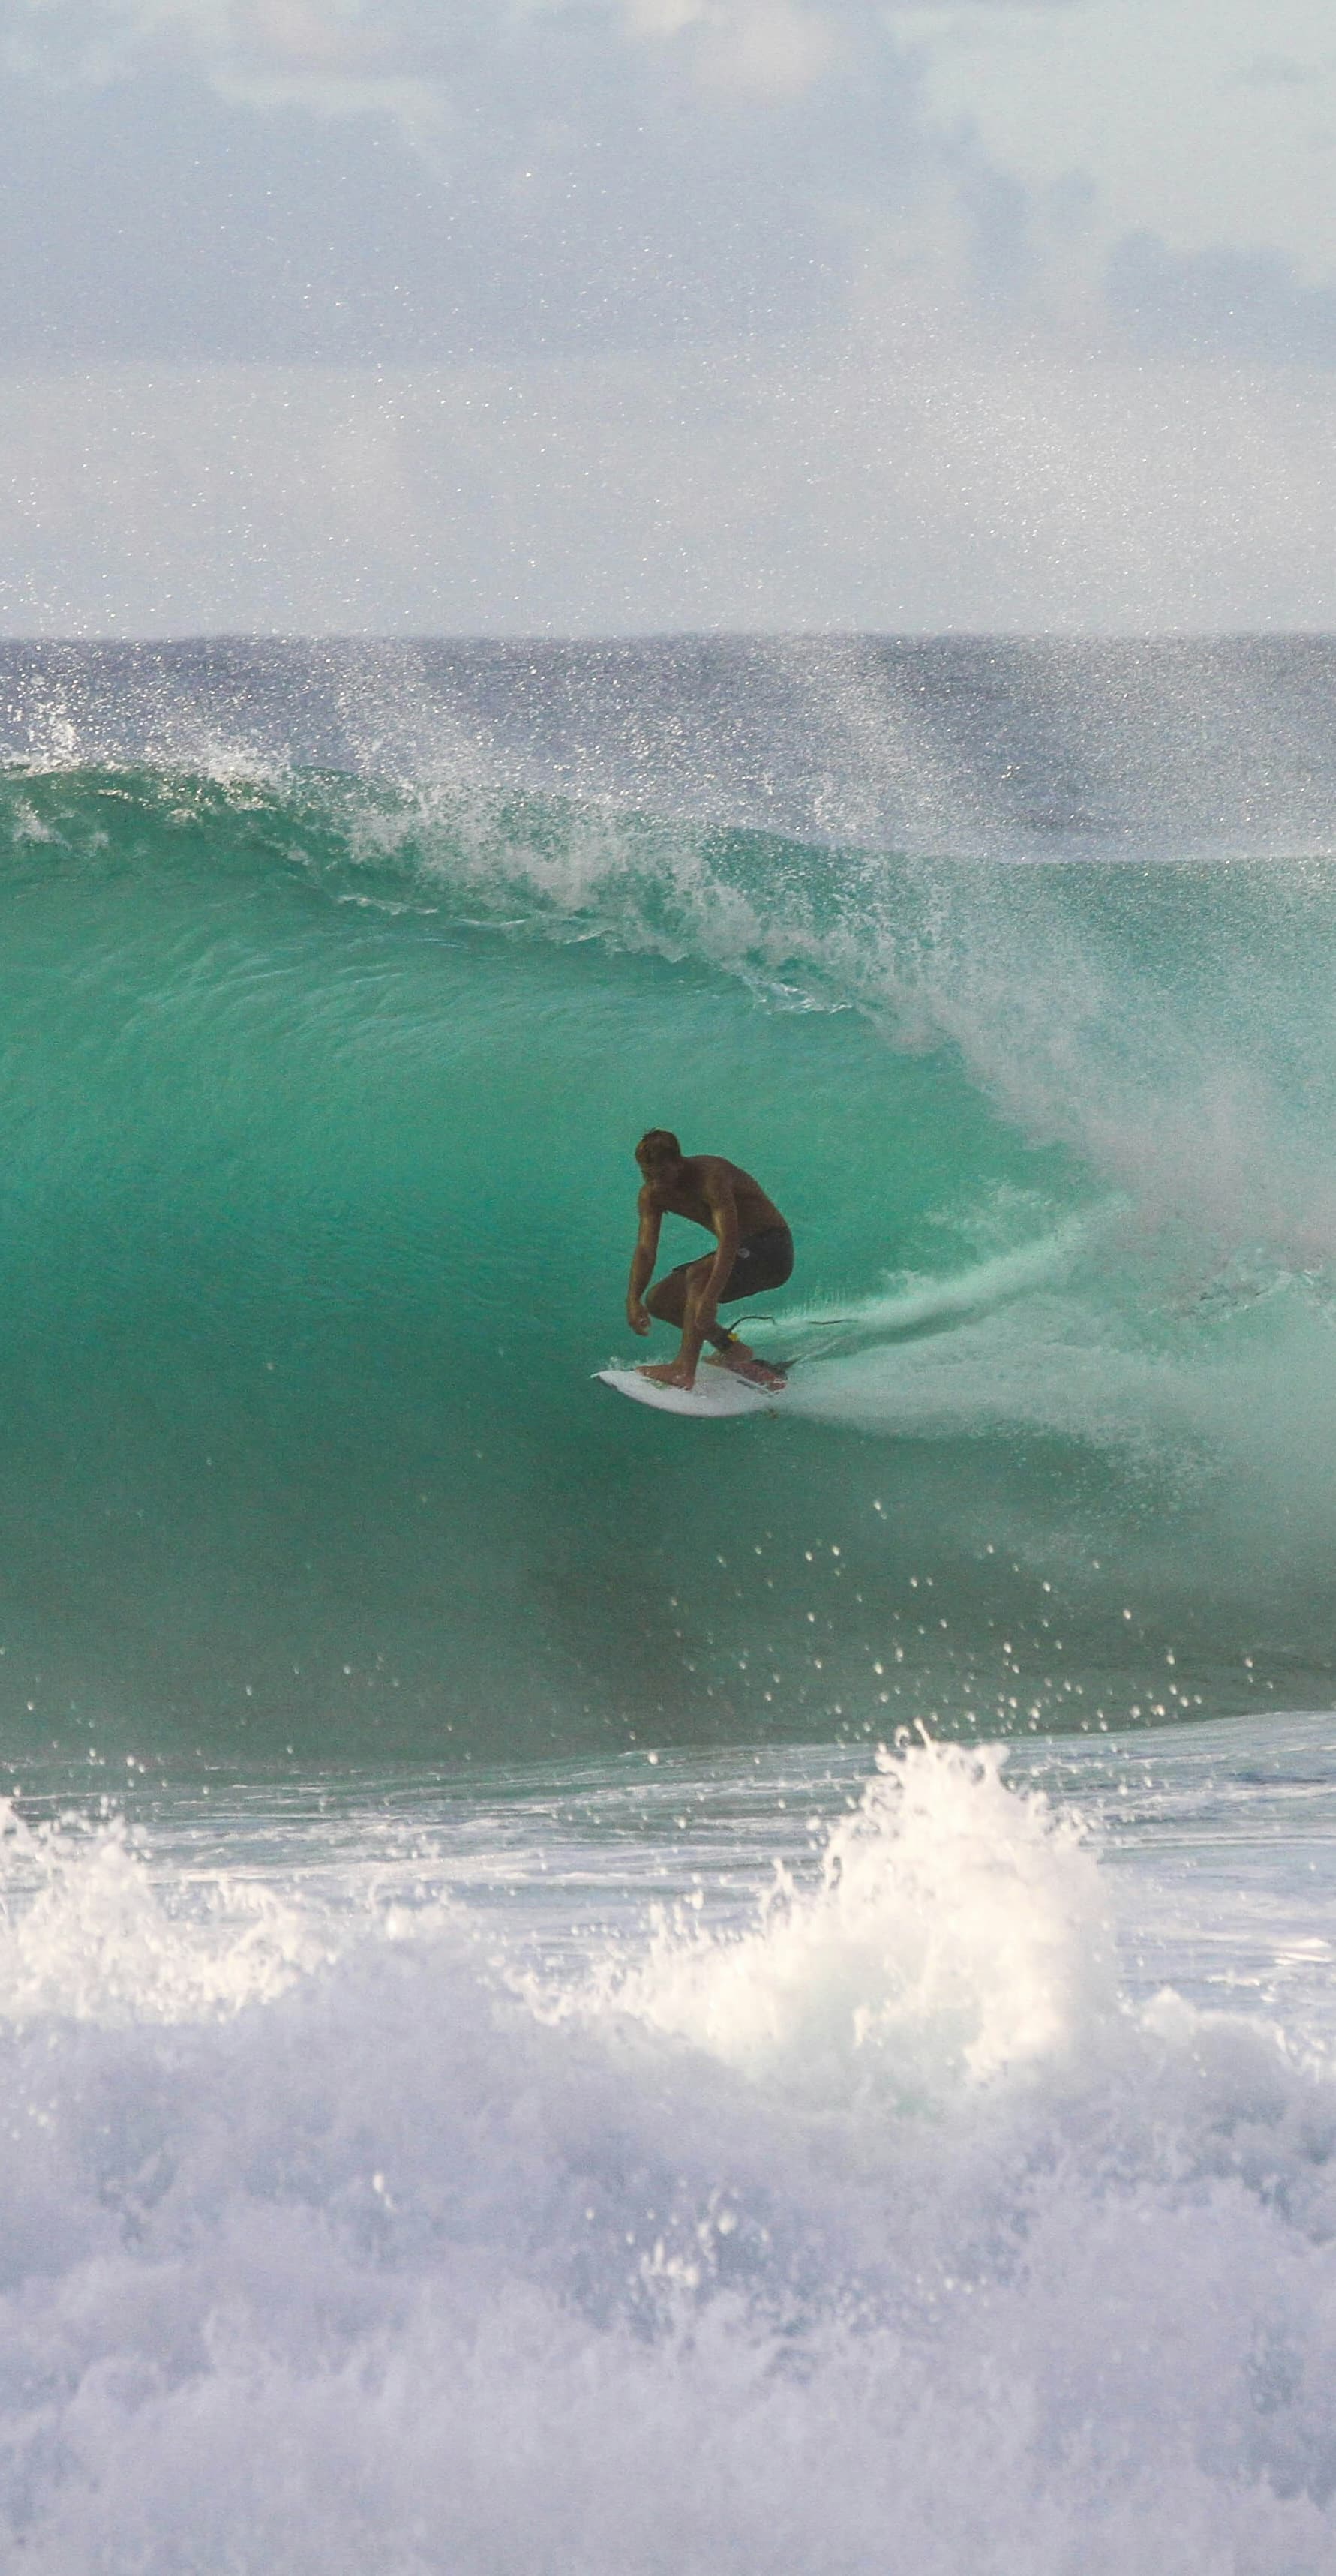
611 1997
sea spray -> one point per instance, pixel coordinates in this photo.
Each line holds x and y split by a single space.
953 1934
383 2264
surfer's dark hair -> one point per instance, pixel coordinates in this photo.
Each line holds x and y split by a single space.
658 1145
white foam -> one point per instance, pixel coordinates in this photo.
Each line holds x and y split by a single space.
86 1936
909 1305
877 2235
956 1933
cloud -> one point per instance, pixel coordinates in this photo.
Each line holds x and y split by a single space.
432 179
774 49
608 313
1221 303
1182 127
764 49
435 184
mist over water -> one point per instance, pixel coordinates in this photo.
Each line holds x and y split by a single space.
503 2070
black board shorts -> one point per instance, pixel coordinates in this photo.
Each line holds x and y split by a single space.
763 1261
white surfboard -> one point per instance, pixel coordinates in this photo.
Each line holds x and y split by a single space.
717 1393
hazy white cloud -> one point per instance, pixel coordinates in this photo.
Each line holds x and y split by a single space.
766 49
1185 124
1014 146
486 313
774 48
431 184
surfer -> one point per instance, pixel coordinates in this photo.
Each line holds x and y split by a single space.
754 1252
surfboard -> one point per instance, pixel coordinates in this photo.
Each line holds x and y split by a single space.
717 1394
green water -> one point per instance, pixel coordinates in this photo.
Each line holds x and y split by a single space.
316 1205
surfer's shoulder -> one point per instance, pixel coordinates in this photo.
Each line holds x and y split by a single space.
713 1173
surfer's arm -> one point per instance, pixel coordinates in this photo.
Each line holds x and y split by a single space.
642 1266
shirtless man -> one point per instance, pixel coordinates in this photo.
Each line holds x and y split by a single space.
754 1253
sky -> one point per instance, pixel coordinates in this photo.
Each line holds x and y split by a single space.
627 316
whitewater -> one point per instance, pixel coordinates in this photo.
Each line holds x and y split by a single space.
582 1992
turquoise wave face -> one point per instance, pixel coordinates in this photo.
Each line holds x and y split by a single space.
317 1198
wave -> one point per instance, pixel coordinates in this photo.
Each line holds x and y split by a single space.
319 1094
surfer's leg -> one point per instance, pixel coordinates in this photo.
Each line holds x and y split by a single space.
717 1333
674 1301
731 1352
667 1300
764 1261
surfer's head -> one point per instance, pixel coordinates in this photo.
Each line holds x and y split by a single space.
657 1149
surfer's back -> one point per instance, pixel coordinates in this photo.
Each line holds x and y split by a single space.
700 1181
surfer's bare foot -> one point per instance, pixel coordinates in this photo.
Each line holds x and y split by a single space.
670 1373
